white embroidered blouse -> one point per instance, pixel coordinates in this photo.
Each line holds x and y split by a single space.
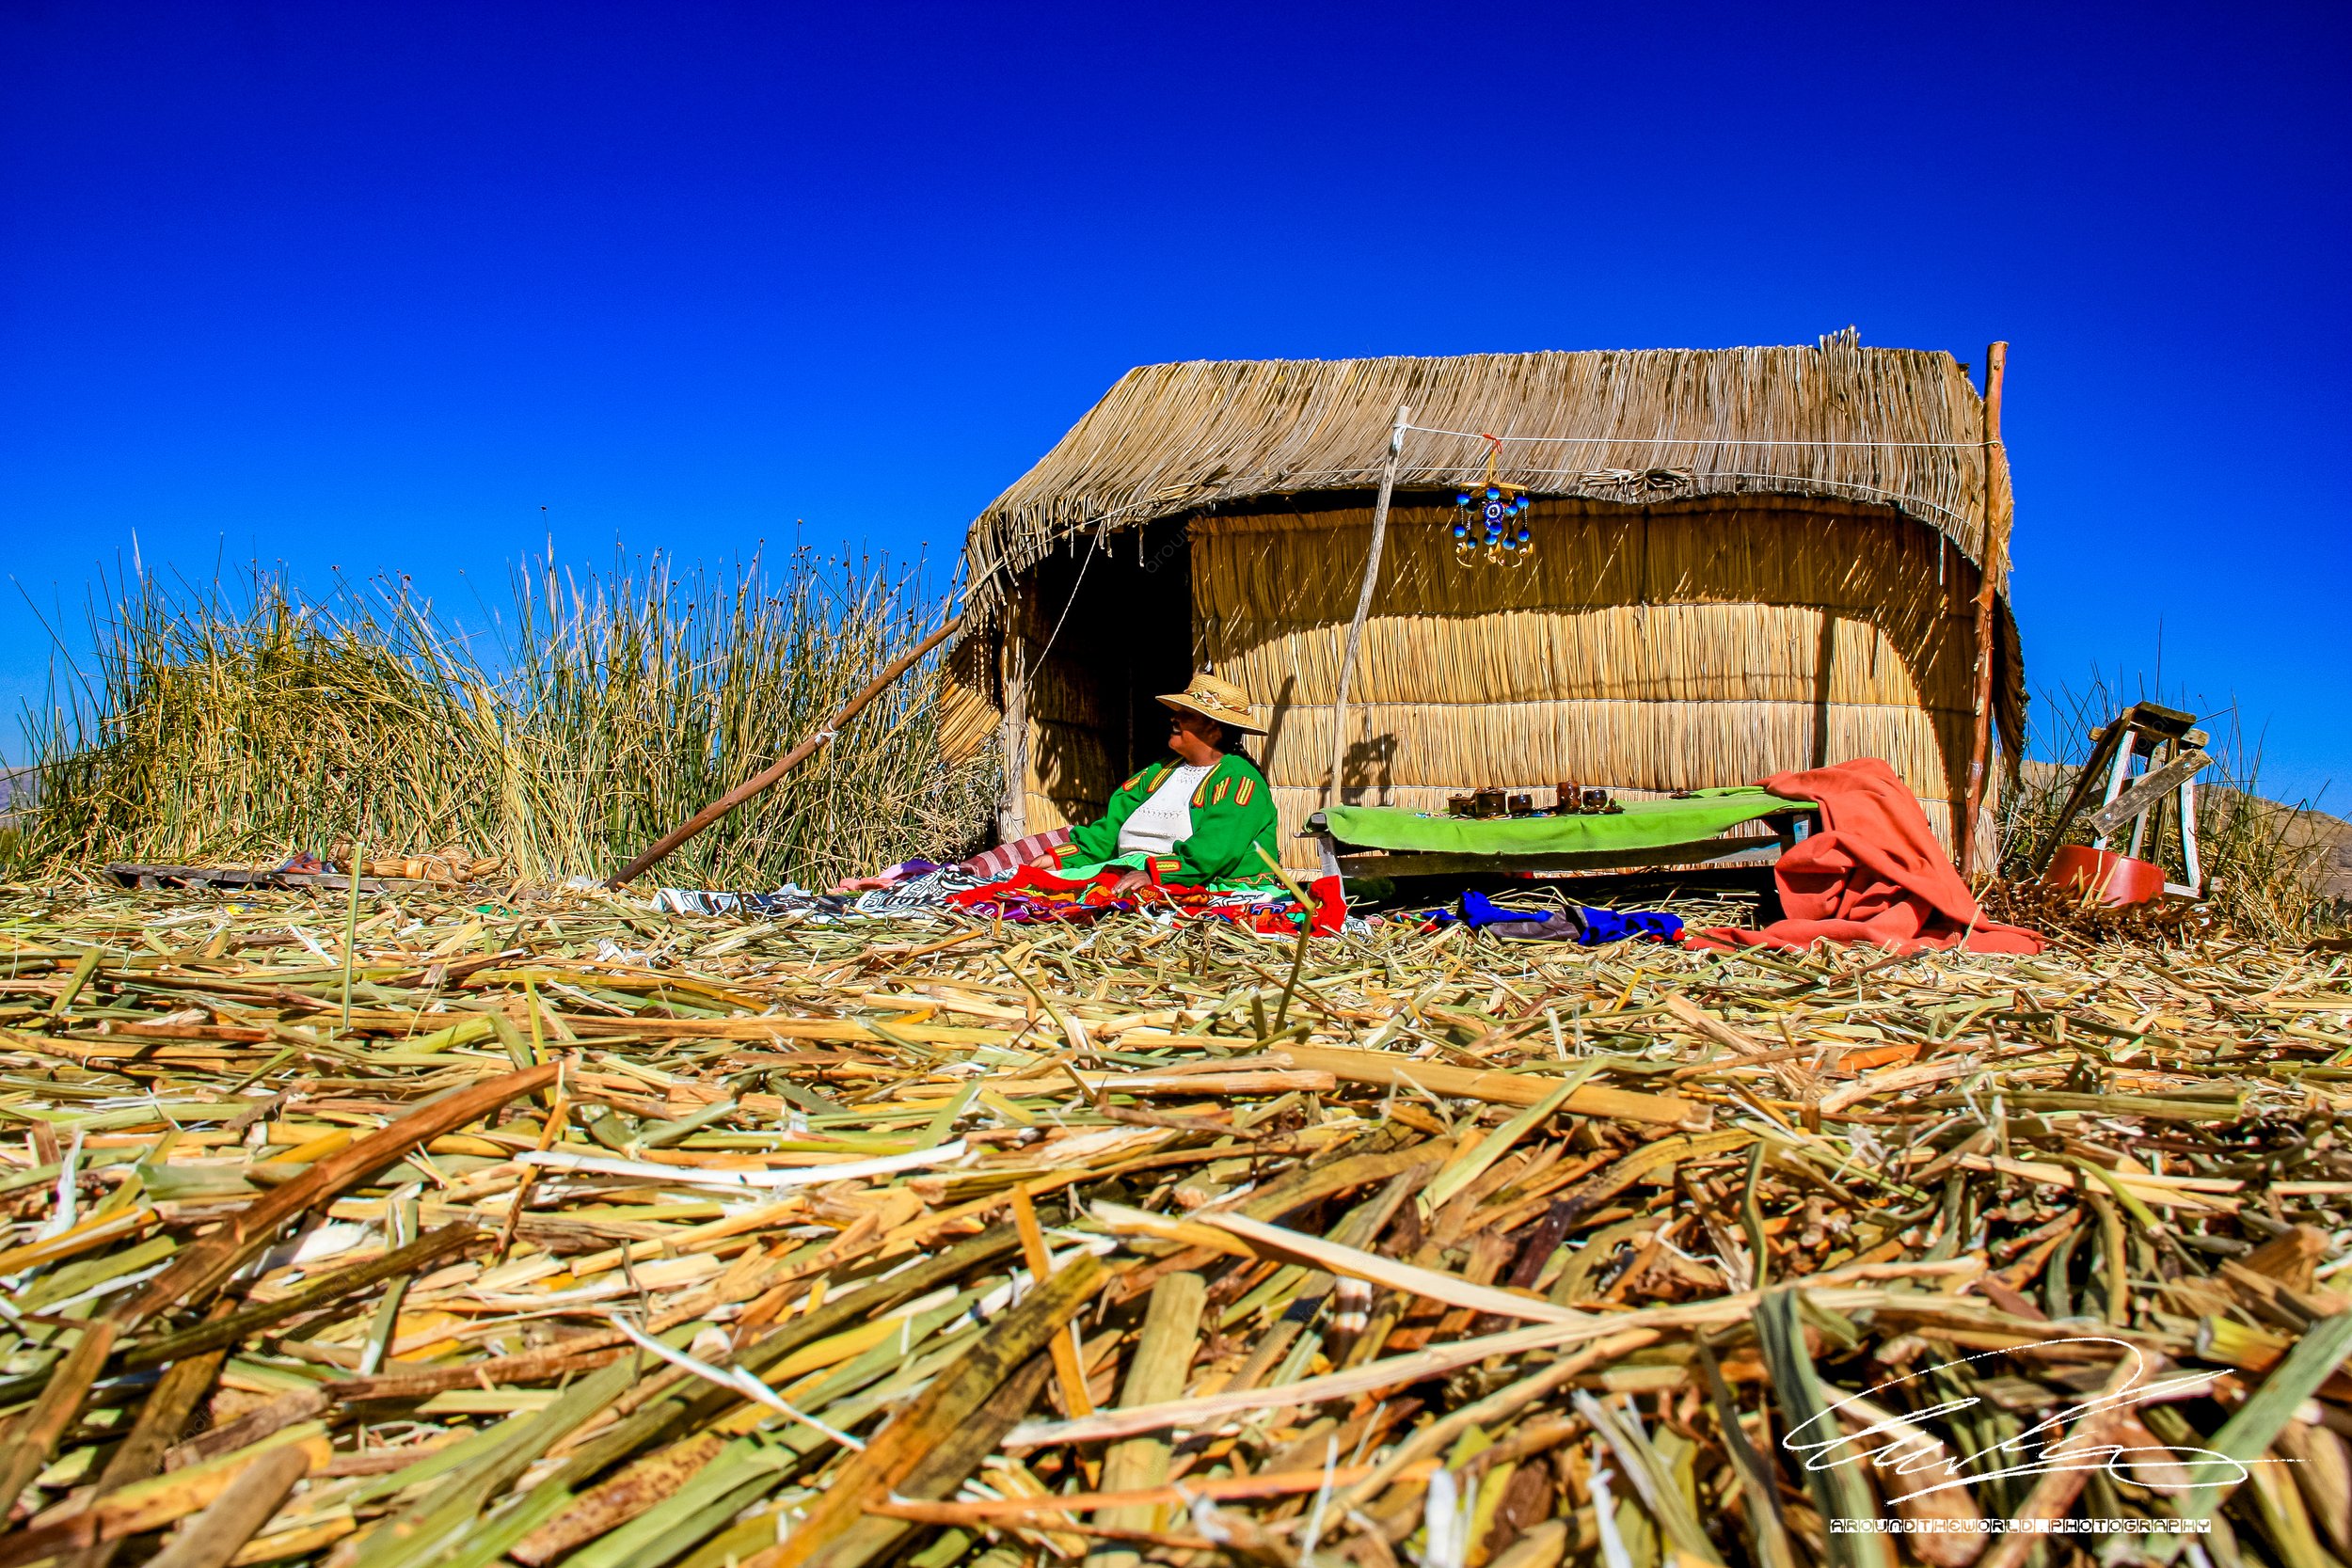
1165 821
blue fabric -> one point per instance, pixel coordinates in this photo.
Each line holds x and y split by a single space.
1479 910
1603 926
1584 925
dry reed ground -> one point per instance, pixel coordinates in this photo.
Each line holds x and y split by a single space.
815 1244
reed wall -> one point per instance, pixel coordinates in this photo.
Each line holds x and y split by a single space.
1643 648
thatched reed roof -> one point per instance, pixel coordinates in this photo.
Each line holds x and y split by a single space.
1897 427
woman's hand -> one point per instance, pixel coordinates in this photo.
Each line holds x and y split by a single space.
1045 862
1130 881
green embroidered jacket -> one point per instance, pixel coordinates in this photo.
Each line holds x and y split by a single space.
1232 809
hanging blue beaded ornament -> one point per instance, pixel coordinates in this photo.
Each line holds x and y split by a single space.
1489 517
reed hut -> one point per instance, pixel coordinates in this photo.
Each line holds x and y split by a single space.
1743 561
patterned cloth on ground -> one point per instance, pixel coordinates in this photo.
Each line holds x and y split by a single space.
1030 894
924 894
1024 894
1000 861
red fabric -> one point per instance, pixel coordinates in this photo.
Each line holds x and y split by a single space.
1871 872
1330 906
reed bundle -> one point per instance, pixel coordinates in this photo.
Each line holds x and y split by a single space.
576 1235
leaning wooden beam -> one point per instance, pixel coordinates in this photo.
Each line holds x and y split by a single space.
767 776
2146 791
1994 550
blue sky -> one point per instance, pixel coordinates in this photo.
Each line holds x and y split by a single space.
371 286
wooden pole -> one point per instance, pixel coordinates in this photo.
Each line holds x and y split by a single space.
1997 525
1013 811
784 764
1363 604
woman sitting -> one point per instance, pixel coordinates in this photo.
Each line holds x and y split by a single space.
1195 817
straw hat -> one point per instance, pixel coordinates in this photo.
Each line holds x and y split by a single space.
1221 700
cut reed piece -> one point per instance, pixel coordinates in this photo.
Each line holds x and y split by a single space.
215 1536
1163 1360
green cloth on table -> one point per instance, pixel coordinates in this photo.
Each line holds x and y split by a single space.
1643 825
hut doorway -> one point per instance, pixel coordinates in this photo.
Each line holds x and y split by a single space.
1125 635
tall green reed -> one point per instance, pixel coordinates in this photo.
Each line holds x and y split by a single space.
238 723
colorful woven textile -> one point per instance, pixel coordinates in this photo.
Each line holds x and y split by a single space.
1030 894
1581 923
1000 861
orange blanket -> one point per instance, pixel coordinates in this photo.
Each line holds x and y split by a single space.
1871 872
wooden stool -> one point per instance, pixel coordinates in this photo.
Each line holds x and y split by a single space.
2174 751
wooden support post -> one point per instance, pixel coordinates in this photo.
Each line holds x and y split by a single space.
1363 604
1013 811
1973 855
